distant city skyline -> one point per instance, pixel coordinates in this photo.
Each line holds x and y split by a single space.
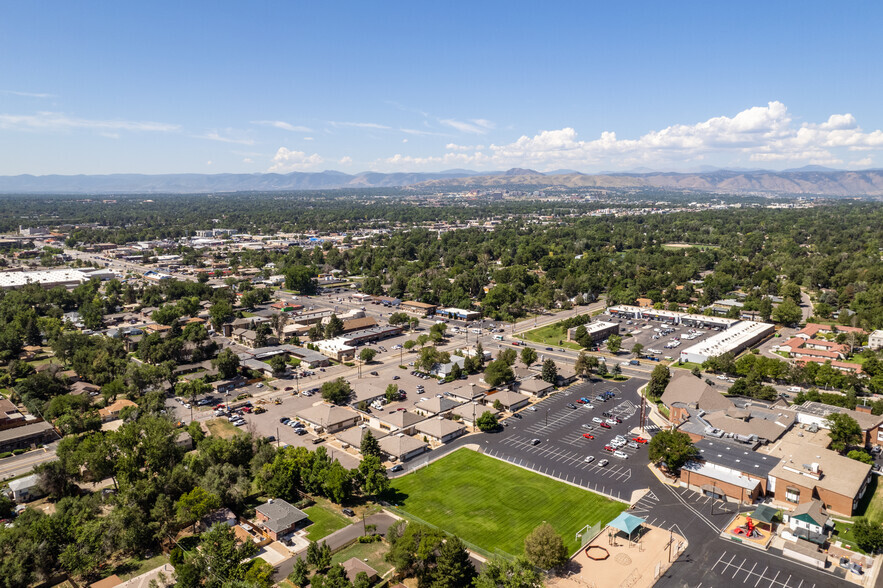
88 88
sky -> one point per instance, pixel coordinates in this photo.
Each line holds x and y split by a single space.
254 87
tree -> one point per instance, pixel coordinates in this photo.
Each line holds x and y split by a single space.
498 372
672 448
370 447
367 355
334 327
259 574
456 372
528 356
787 313
372 475
487 422
298 575
585 363
659 379
614 343
500 573
637 349
337 391
227 363
868 535
223 558
409 344
844 431
549 372
581 336
219 313
391 393
453 568
545 548
508 355
277 362
861 456
399 318
196 504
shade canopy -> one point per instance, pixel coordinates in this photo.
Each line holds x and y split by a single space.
764 513
627 522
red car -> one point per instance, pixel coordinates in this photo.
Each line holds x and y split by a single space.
580 401
515 343
639 440
588 436
609 448
605 425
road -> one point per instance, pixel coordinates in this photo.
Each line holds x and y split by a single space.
18 465
805 305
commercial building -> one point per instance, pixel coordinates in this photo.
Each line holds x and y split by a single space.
418 308
597 331
728 470
27 436
10 417
440 429
328 417
434 406
671 316
509 400
816 413
68 278
806 473
738 337
469 412
459 314
401 447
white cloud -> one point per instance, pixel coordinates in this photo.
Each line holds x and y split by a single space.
286 160
216 136
864 162
345 160
247 160
404 140
308 138
209 162
758 134
359 125
476 126
281 124
27 94
56 121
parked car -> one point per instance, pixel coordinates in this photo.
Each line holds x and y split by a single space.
603 463
571 406
348 512
532 408
605 426
534 441
639 440
609 448
621 454
632 444
597 420
589 459
517 416
396 468
588 436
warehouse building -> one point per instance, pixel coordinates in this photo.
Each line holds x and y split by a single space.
740 336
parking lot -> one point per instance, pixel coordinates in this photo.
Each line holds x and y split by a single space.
550 438
660 340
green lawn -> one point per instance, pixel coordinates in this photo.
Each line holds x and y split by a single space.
871 504
843 532
373 552
550 335
687 365
325 521
135 567
495 505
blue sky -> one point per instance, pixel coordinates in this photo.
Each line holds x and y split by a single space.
211 87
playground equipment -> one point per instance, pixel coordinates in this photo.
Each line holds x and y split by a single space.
747 530
597 553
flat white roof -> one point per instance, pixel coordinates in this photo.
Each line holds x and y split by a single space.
673 314
56 276
733 338
599 326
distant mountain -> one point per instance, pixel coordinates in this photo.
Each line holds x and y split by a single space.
809 180
826 183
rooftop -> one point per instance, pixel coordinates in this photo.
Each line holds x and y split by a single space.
281 515
736 457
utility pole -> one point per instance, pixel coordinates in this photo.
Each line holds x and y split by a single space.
671 539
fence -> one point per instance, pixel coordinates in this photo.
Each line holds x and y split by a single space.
471 546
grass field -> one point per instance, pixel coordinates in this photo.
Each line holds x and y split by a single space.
222 428
495 505
325 522
550 335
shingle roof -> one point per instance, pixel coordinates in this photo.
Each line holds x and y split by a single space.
439 427
281 515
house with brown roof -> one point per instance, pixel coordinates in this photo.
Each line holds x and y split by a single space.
418 308
807 472
469 412
400 421
277 518
511 401
112 411
401 447
328 417
354 566
9 415
440 429
433 406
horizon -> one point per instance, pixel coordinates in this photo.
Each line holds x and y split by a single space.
277 88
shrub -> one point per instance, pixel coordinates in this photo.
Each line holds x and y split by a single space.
5 454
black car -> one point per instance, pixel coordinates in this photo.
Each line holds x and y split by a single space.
606 414
517 416
396 468
271 438
348 512
570 405
284 420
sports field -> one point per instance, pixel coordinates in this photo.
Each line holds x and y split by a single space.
495 505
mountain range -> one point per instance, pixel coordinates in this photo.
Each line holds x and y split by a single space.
813 180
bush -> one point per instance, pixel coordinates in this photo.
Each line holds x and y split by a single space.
370 538
18 451
5 454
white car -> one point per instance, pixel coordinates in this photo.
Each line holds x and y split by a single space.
722 377
589 459
589 406
597 420
532 408
611 422
795 389
621 454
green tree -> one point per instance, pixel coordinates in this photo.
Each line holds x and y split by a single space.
549 372
370 447
372 475
220 312
259 574
409 344
222 557
299 574
334 327
391 393
787 312
227 363
672 448
399 318
500 573
487 422
508 355
659 379
453 568
278 363
528 356
844 431
194 505
337 391
367 354
868 534
637 349
498 372
614 343
861 456
545 548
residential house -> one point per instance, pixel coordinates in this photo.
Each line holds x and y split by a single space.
433 406
328 417
112 411
535 387
184 441
401 447
875 340
511 401
440 429
468 393
469 412
354 566
277 518
400 421
354 435
26 489
810 521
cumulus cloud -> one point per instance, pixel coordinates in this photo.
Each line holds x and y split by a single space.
57 121
286 160
281 124
757 134
345 160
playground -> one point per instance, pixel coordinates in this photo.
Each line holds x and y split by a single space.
634 557
748 530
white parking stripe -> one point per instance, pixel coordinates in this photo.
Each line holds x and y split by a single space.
761 576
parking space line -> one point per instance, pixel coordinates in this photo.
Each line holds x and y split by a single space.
762 574
774 578
739 568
